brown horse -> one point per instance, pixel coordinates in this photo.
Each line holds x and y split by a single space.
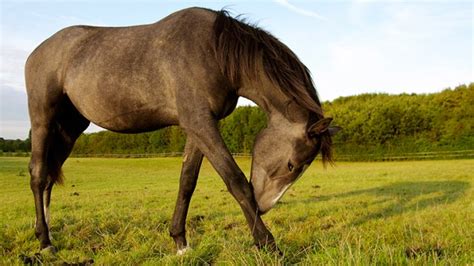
189 70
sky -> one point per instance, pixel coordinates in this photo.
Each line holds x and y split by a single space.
350 47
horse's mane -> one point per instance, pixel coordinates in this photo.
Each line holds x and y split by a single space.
239 46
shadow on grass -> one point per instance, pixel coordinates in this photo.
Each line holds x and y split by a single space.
404 197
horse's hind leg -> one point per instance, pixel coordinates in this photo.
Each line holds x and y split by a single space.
187 183
46 202
40 138
53 138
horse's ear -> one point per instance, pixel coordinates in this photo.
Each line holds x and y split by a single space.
333 130
319 127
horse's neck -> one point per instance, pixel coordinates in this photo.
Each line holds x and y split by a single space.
262 97
268 97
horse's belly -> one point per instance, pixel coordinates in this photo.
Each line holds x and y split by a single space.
141 120
127 114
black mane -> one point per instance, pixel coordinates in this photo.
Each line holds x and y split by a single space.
240 45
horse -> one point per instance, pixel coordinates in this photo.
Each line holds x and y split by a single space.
188 69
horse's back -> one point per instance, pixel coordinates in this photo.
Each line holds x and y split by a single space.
126 78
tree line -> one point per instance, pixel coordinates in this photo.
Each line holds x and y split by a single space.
382 123
372 123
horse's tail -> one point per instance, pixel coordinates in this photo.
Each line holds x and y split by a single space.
56 155
68 126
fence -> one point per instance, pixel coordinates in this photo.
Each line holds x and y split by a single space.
433 155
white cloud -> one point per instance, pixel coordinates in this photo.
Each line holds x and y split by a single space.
12 62
298 10
413 49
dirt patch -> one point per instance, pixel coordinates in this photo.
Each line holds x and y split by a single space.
196 219
231 226
326 226
97 247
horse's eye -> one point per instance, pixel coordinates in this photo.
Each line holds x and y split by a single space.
290 166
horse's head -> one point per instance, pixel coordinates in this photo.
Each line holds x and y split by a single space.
282 153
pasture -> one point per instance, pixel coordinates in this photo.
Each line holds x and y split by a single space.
117 211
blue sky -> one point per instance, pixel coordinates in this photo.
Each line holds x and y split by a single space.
351 47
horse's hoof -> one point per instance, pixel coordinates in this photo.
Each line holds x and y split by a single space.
183 251
270 247
49 250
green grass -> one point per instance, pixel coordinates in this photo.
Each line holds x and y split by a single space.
117 211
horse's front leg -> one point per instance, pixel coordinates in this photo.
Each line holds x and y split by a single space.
202 128
189 173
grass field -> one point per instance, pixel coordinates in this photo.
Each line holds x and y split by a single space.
117 211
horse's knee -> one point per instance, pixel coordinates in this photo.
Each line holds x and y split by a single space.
239 188
187 183
36 166
37 182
